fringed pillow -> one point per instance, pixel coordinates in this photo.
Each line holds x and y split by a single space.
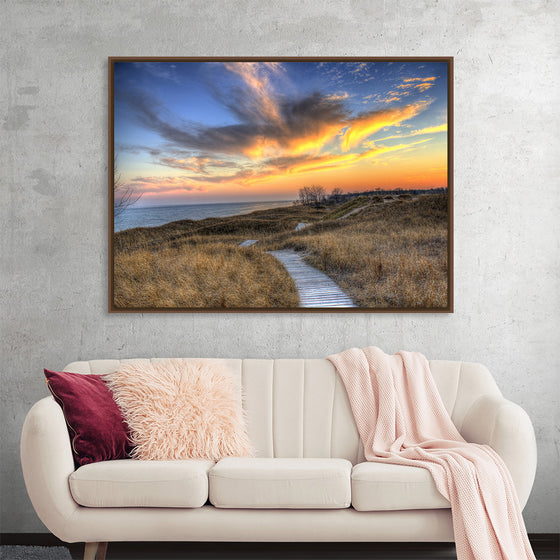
181 409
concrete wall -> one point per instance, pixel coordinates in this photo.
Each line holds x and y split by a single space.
53 227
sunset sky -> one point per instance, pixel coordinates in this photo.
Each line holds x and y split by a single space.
203 132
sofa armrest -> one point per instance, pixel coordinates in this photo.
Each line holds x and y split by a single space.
47 461
506 428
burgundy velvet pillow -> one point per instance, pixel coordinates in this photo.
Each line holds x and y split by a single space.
97 429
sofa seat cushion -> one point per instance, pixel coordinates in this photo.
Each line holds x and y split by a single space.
382 487
136 483
280 483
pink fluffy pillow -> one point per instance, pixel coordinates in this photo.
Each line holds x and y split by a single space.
181 409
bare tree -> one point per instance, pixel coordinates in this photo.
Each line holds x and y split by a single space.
304 196
336 195
318 195
315 195
124 195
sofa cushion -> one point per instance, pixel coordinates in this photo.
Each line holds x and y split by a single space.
382 486
237 482
136 483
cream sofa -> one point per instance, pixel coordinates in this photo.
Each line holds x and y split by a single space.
309 481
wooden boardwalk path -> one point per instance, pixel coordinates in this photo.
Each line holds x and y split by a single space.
248 243
315 288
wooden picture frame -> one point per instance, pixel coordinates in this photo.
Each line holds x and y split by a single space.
278 184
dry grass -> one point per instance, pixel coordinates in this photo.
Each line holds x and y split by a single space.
212 275
260 223
343 209
390 254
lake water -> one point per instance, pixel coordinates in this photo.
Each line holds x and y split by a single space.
158 215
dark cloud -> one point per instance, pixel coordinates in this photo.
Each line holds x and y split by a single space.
278 134
135 149
196 163
286 162
241 174
298 119
310 116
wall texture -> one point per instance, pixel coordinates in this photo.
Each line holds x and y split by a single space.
53 226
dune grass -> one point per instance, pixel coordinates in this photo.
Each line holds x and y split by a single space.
343 209
390 254
206 275
262 222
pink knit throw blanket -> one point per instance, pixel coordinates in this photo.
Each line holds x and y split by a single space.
401 420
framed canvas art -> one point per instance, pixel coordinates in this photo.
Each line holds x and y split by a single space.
280 184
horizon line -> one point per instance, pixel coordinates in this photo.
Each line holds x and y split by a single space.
381 190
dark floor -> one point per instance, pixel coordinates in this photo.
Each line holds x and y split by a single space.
274 551
546 547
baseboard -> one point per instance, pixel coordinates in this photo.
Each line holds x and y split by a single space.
48 539
30 539
548 539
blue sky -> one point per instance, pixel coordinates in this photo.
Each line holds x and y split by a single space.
195 132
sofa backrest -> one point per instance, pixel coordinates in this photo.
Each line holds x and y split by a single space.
299 407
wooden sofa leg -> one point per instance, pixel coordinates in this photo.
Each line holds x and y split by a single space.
95 551
101 550
90 550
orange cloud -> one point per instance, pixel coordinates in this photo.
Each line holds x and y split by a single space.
337 96
261 147
282 175
428 130
306 141
430 79
410 83
419 170
321 163
370 123
160 185
282 137
424 86
316 140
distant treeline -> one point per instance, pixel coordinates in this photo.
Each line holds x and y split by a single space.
316 195
435 190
